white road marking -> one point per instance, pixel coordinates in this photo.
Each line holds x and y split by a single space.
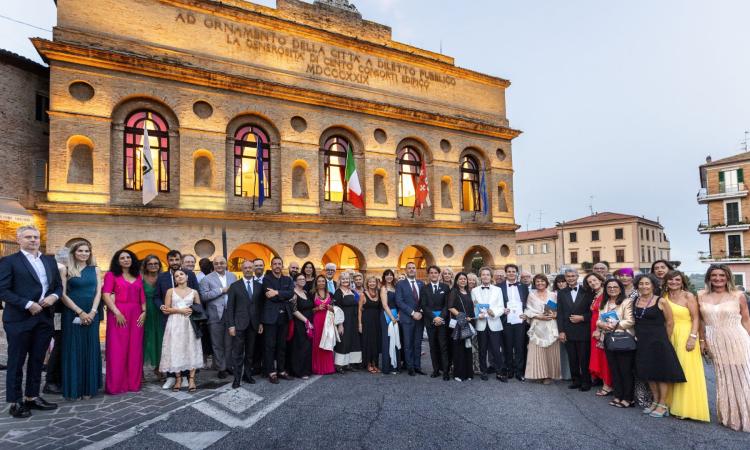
195 440
235 422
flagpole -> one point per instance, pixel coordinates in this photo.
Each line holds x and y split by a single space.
255 172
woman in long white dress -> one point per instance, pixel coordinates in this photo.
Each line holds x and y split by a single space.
181 349
543 360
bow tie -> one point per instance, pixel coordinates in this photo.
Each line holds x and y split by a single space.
485 287
512 284
574 288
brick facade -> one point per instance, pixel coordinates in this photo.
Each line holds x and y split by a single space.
436 120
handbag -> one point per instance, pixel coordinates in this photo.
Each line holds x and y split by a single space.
619 341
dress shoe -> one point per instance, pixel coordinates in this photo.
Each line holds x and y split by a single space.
222 374
502 378
51 388
235 383
483 377
574 386
411 372
446 378
19 411
273 379
40 404
419 371
435 374
520 377
585 388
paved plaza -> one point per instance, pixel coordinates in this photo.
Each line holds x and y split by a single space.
358 410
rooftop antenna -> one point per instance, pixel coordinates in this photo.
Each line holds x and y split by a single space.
441 52
591 204
746 141
528 217
541 213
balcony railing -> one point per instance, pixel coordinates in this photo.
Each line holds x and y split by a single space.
722 256
725 191
731 225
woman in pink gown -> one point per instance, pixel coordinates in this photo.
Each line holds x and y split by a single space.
322 360
126 312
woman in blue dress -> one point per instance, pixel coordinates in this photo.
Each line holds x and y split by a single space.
81 351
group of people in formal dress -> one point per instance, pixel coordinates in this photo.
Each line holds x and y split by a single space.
641 339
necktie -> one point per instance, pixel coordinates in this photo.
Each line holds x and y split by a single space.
249 288
331 288
414 293
434 289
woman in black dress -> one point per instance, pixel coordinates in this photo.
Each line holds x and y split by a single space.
301 358
308 270
459 302
655 359
369 324
349 350
389 314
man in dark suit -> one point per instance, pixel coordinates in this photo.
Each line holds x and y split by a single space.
244 305
410 316
277 311
30 285
514 327
165 282
573 323
434 295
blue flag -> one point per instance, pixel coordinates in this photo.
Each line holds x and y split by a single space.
259 170
483 193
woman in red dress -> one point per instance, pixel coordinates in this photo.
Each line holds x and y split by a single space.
322 360
598 366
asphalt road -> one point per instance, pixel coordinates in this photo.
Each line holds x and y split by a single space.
364 411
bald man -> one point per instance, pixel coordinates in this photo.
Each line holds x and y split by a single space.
213 291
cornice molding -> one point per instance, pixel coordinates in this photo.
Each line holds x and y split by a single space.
154 68
246 216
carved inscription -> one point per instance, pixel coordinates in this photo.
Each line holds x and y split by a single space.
318 59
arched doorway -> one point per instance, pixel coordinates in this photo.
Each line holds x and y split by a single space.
345 257
250 251
145 248
476 258
419 256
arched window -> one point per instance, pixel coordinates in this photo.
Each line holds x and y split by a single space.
470 200
334 168
245 164
158 138
409 165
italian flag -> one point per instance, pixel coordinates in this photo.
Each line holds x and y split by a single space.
354 190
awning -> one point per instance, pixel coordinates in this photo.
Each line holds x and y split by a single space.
12 211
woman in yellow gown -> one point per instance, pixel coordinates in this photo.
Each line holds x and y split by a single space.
687 400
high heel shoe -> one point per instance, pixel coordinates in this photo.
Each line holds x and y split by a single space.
191 386
649 409
177 383
664 413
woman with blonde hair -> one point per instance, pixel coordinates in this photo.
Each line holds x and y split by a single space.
369 324
81 352
725 336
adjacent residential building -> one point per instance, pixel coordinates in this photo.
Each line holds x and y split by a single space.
24 91
622 240
724 193
539 251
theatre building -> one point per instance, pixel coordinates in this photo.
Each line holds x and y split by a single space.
218 83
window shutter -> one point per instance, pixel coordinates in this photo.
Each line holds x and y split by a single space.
721 177
740 176
39 183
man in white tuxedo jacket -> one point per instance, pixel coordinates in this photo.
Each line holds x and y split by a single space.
489 325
